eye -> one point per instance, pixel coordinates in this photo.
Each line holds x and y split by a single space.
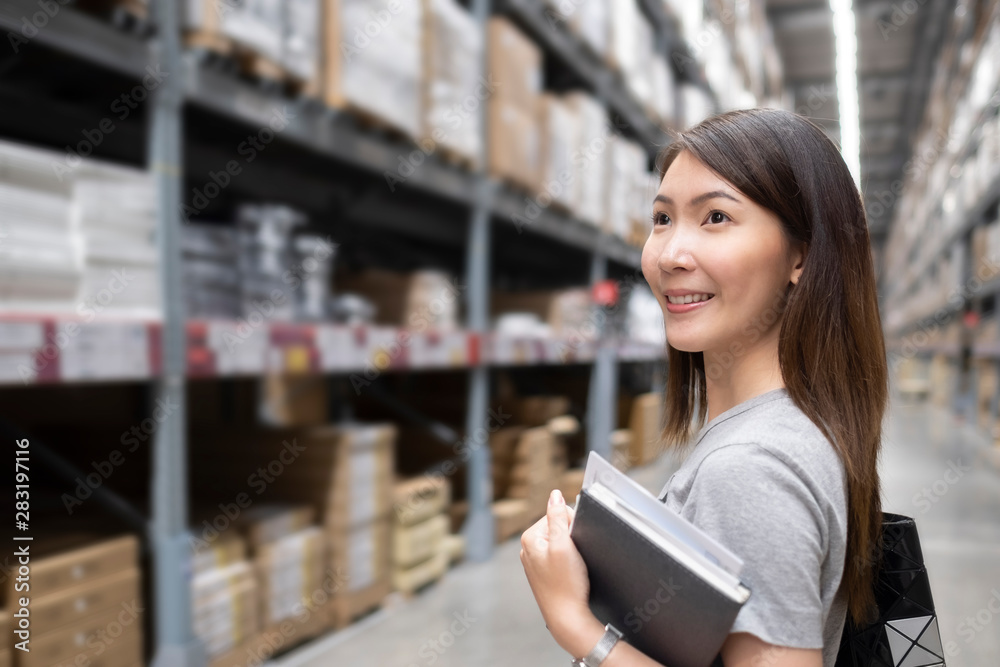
718 217
660 218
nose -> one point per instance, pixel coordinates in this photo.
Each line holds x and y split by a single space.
675 254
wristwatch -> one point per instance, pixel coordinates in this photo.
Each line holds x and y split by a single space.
602 649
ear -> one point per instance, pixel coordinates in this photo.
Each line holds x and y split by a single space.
798 262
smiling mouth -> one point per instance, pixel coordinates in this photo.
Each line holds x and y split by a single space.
689 298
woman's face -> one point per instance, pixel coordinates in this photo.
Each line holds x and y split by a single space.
708 239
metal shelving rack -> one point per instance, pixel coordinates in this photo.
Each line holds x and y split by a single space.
331 135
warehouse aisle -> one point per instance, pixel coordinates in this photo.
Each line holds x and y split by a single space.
482 615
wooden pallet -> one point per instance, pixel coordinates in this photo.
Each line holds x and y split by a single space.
452 157
228 54
371 121
346 608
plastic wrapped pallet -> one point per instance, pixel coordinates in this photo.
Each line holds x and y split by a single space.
696 104
374 60
627 160
590 157
625 19
453 49
117 222
568 312
290 570
664 88
225 606
638 75
360 556
419 301
591 19
560 137
300 44
253 24
513 112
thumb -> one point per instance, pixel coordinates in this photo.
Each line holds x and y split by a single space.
558 515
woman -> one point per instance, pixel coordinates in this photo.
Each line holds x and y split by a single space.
759 256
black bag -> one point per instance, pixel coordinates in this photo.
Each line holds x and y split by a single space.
906 633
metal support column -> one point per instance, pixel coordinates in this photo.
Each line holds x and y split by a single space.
479 526
175 645
602 408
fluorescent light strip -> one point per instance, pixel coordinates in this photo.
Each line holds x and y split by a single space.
844 28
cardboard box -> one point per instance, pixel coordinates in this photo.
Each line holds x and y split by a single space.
408 580
226 549
380 75
538 410
454 546
290 570
347 606
644 413
420 301
418 542
345 471
568 312
513 111
560 138
591 156
452 50
55 610
54 573
226 606
360 556
570 484
293 400
115 632
417 499
264 523
510 517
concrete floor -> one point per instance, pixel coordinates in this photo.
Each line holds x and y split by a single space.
957 512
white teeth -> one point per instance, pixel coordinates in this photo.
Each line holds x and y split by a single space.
689 298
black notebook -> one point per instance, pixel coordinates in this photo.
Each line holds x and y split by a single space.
672 590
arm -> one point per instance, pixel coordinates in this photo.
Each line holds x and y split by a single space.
558 579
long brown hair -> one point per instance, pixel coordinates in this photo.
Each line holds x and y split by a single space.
831 348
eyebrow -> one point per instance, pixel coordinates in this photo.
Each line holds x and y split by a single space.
700 199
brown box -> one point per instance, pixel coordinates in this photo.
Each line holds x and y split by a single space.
266 523
420 300
114 631
289 571
409 579
71 568
419 498
538 410
511 517
621 444
418 542
360 556
560 132
347 606
226 606
224 550
570 484
568 311
643 415
294 400
71 605
514 144
345 472
515 63
5 659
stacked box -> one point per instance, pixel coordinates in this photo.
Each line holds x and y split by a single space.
513 113
560 138
225 598
511 516
41 263
346 473
567 312
642 414
211 271
537 410
570 484
420 527
418 301
627 163
539 462
625 23
374 65
590 157
453 49
591 19
301 50
664 88
265 255
293 400
621 445
86 605
290 571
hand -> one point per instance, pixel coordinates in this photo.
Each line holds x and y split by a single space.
557 575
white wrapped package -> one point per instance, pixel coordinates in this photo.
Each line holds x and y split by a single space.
454 48
591 157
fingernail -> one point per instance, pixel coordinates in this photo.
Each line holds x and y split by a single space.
559 497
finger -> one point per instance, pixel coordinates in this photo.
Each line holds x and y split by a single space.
557 516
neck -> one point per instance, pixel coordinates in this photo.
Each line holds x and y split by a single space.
732 378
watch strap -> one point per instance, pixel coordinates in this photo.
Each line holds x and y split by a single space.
601 649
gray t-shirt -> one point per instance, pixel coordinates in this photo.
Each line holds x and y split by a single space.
764 481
